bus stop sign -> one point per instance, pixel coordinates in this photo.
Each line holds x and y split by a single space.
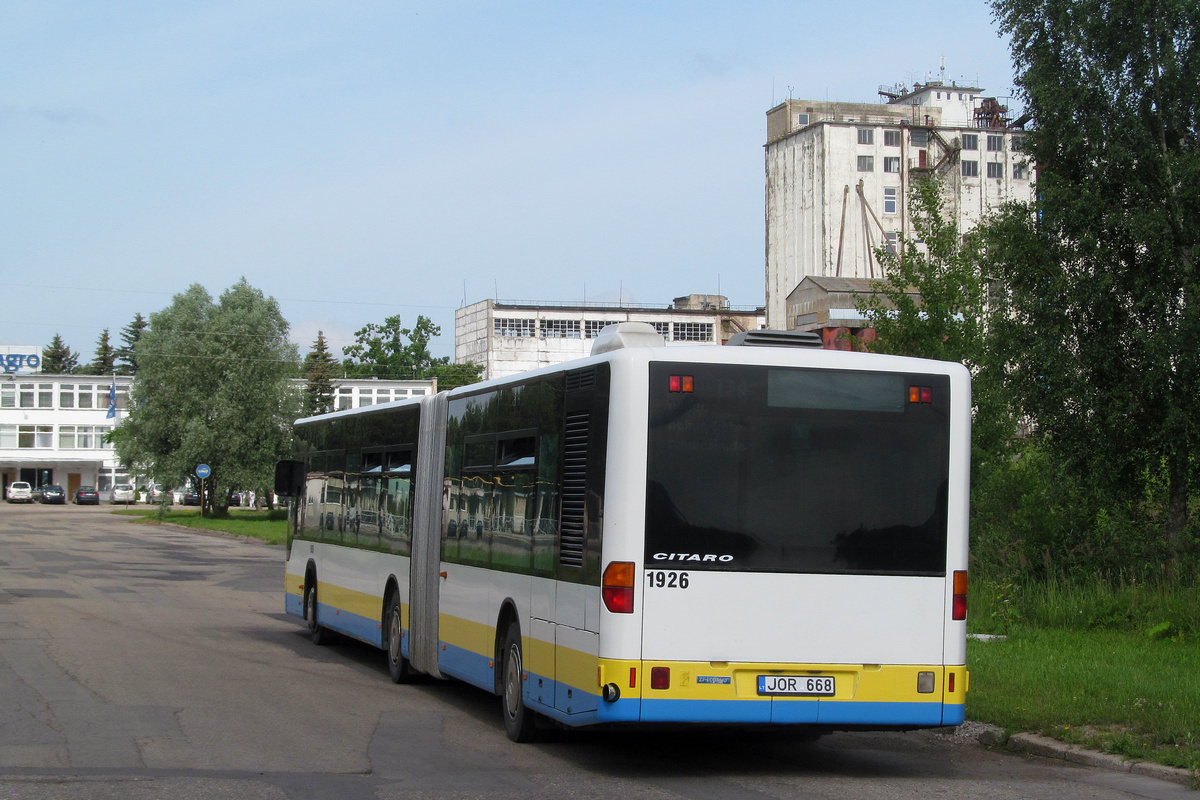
203 471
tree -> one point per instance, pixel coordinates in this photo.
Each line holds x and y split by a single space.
213 388
58 359
932 303
320 370
126 358
380 351
105 361
1101 297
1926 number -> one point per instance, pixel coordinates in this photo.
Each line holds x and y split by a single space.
661 579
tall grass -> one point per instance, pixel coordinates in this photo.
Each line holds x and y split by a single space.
1157 610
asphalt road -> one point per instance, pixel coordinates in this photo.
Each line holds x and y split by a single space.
154 662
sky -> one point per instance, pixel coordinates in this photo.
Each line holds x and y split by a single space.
356 159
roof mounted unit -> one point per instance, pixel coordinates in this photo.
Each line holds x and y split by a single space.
776 339
627 334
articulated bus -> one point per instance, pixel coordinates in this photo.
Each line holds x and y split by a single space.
764 532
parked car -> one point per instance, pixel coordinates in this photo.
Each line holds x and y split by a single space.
156 493
53 494
19 492
191 498
123 493
86 496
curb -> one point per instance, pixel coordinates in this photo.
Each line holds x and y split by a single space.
1038 745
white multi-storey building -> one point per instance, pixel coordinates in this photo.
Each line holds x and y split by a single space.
837 175
508 338
52 427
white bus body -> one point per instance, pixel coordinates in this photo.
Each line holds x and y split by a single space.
711 534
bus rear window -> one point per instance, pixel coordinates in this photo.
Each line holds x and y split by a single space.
791 470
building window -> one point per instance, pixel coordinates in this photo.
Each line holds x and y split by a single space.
891 163
918 138
663 329
1018 143
893 242
801 120
26 395
78 437
995 169
891 202
693 331
101 432
891 138
970 169
970 141
365 397
66 395
418 392
35 436
592 327
85 396
560 329
1020 171
866 136
520 328
866 163
995 144
45 395
345 398
8 396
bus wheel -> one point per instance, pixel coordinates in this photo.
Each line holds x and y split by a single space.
398 665
316 631
518 720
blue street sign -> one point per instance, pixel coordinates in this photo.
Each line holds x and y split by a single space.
203 471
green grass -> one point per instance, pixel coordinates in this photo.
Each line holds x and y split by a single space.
269 526
1158 610
1110 664
1120 692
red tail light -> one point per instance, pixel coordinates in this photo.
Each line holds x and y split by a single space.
617 587
660 677
959 608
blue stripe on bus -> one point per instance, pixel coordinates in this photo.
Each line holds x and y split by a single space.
294 604
954 714
466 665
342 621
872 713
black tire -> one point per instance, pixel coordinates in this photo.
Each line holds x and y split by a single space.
319 634
398 666
519 721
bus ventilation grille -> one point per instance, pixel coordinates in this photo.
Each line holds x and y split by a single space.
776 339
574 491
581 380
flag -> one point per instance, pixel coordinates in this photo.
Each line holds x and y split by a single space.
112 400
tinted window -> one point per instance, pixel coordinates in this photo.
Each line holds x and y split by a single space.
772 470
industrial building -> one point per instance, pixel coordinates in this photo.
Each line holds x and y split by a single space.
837 175
506 337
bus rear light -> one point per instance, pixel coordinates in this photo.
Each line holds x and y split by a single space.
681 383
950 683
633 677
660 677
959 607
920 394
617 587
925 682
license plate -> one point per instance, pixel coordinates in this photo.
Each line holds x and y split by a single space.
796 685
